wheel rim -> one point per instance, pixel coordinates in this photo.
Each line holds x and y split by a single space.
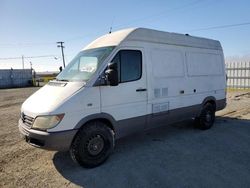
95 145
208 116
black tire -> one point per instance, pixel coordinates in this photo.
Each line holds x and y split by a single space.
92 145
206 119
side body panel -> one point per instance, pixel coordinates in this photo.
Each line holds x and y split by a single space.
175 92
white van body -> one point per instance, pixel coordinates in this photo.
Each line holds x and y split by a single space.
179 74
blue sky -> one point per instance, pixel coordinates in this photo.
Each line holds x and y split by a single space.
32 27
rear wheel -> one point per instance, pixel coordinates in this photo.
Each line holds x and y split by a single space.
206 118
93 144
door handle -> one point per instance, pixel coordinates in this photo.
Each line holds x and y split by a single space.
141 89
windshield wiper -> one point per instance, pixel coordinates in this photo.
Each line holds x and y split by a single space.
63 80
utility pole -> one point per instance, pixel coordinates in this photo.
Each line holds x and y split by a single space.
60 45
30 65
23 61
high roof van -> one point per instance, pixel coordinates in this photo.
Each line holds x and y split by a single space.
125 82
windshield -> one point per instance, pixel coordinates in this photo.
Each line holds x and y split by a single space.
84 65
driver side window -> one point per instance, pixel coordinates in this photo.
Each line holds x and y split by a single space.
129 65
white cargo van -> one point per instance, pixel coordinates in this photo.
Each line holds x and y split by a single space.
125 82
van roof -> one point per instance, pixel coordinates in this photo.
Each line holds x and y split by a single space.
154 36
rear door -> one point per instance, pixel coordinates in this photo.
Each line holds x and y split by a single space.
127 102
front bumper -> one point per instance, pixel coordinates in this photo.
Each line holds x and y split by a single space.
59 141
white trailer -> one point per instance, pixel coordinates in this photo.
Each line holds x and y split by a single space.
124 82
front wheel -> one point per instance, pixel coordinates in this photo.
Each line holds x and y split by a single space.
93 144
206 118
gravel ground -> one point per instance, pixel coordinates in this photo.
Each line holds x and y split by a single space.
171 156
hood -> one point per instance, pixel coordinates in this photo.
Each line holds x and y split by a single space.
49 97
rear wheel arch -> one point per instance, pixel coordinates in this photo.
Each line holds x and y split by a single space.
211 100
206 118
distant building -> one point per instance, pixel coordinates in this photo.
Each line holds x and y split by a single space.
10 78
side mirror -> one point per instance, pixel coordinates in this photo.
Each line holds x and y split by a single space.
112 74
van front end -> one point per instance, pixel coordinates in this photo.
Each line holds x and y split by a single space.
47 117
35 132
56 116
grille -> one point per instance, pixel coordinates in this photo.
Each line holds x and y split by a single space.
27 120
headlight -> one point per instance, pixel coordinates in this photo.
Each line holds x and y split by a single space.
47 122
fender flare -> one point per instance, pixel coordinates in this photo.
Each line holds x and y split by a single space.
207 99
91 117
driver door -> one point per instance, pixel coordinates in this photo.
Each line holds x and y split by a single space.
127 102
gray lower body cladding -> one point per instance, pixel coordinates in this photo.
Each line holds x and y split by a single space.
221 104
132 125
61 141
